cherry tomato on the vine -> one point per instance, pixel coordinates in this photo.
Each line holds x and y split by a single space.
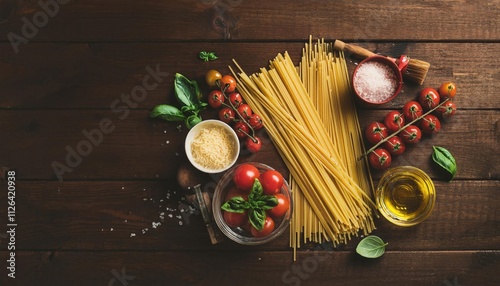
394 121
235 219
447 90
245 111
245 175
227 115
411 134
215 98
412 110
395 145
380 159
272 182
429 98
235 99
375 132
241 129
228 83
282 207
255 121
253 144
447 110
212 78
266 230
430 124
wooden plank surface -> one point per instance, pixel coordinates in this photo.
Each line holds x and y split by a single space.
95 75
102 215
254 268
257 20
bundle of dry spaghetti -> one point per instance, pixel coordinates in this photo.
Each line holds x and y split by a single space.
310 116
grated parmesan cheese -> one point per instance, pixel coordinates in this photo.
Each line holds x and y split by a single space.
213 148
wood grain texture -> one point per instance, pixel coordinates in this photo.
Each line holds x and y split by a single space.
95 75
143 148
267 268
256 20
102 216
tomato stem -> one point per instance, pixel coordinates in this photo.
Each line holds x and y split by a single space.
231 105
401 129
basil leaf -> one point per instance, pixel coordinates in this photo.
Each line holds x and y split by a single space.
257 218
236 205
268 202
187 92
256 191
207 56
444 159
371 247
167 112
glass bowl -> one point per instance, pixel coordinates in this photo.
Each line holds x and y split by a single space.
405 195
239 234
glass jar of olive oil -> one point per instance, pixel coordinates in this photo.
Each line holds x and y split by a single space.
405 195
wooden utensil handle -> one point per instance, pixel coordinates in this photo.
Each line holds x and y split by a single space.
355 50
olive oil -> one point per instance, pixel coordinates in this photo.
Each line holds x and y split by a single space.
405 195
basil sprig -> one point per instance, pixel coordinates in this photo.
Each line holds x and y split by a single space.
444 159
188 94
256 205
207 56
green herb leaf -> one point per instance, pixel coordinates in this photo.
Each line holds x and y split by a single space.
192 121
257 218
187 91
371 247
444 159
207 56
167 112
236 205
268 202
256 191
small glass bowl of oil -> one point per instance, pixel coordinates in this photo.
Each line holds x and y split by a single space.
405 195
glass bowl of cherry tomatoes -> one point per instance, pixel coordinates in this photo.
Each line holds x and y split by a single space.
252 204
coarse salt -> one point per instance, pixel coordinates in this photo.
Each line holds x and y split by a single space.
375 82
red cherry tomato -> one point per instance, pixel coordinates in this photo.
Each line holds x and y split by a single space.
380 159
430 124
227 115
375 132
228 83
447 110
429 98
253 144
245 175
272 182
412 110
266 230
394 121
411 135
215 98
395 145
447 90
235 99
235 219
282 207
255 121
235 192
245 111
241 129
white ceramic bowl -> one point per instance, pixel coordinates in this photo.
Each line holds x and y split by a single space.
206 124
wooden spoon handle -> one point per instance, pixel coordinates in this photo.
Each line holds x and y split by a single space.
353 49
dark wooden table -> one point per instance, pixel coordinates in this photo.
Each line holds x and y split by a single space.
116 215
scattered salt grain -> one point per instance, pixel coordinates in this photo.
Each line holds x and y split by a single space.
125 221
155 224
111 229
123 188
132 234
375 82
180 222
170 216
